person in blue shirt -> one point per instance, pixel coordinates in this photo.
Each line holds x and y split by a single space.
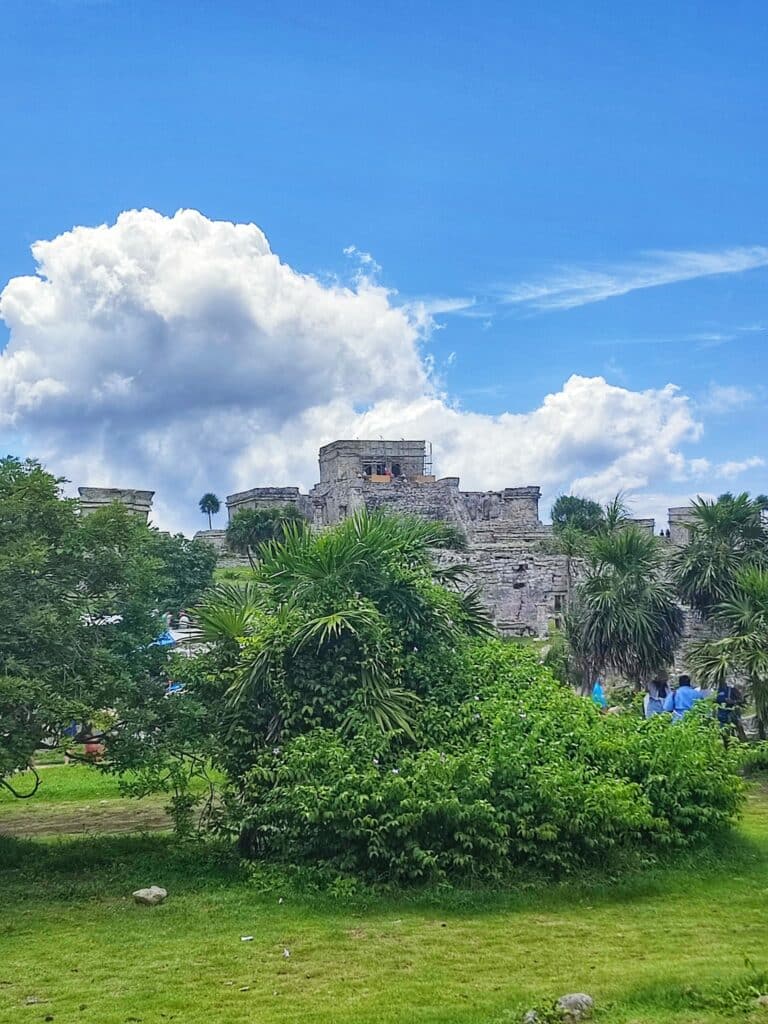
598 695
657 693
681 700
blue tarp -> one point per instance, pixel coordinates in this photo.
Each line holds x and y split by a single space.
164 640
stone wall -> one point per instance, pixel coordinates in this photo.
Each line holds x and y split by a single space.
217 539
524 589
647 525
348 460
678 517
268 497
93 498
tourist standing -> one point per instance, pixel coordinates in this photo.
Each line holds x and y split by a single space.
598 696
680 701
729 700
656 694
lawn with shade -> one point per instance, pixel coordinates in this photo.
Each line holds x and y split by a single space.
686 943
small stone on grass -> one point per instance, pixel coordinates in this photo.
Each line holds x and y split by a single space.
150 897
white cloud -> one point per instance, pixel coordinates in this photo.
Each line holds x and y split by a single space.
736 468
656 504
367 265
190 315
576 286
180 354
726 397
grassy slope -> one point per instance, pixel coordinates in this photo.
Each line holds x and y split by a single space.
70 936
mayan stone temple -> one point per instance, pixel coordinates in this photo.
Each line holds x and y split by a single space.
524 582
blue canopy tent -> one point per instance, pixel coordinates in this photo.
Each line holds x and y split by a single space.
165 639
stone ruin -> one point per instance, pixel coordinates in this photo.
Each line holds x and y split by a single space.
524 582
138 502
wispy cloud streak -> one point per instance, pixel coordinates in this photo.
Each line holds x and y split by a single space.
577 286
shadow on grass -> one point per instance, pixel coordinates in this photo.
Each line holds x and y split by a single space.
98 866
101 866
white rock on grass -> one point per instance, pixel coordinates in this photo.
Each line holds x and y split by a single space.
150 897
571 1008
576 1006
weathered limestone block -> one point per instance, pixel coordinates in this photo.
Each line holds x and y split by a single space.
93 498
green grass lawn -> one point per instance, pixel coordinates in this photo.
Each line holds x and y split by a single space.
661 946
60 783
233 574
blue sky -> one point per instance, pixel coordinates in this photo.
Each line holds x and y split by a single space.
527 172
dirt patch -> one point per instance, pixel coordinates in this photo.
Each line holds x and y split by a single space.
103 818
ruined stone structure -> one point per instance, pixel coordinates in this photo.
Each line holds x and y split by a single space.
678 517
268 497
138 502
525 583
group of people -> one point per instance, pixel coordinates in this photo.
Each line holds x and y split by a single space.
180 620
678 700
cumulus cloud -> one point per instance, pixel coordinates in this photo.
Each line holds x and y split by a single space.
180 354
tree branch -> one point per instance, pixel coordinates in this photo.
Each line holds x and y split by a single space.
22 796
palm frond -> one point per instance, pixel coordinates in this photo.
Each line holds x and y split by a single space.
324 628
389 708
452 574
229 612
477 620
615 514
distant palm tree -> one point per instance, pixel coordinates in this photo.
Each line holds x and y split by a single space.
726 536
625 613
209 506
615 514
743 649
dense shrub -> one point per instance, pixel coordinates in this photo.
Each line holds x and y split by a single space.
253 526
507 767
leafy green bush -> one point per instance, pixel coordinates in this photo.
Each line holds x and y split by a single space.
506 768
755 757
251 527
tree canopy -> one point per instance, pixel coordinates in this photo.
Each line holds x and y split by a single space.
741 649
726 535
625 613
583 514
367 720
328 625
79 601
251 527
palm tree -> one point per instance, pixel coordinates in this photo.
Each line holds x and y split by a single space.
615 514
327 620
726 535
209 505
577 522
743 648
625 613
